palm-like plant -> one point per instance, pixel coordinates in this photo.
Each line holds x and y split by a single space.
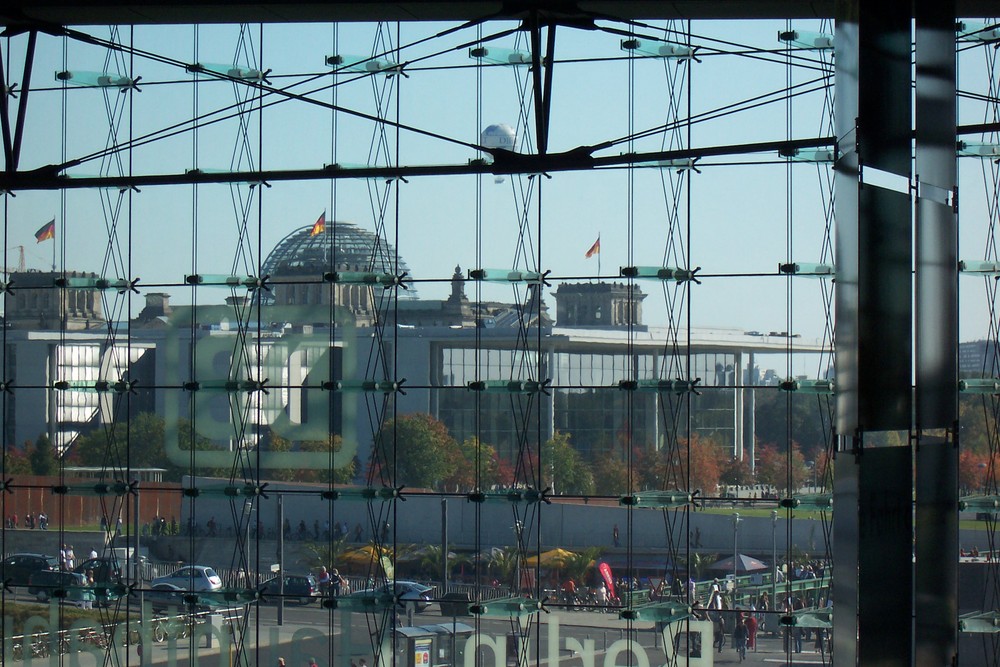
576 566
504 563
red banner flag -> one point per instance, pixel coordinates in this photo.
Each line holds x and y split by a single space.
319 226
595 249
605 571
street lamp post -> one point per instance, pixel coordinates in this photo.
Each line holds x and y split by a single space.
736 551
774 559
518 530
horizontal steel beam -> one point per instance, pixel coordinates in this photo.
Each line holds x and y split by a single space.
504 163
145 12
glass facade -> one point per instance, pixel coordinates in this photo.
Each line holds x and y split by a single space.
314 364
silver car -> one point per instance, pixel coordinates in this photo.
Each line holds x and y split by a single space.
192 578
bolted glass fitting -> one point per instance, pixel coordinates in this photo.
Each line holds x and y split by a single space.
656 48
656 499
805 39
500 56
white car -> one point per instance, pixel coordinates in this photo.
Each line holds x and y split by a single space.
192 578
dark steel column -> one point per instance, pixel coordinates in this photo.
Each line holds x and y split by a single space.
936 341
874 333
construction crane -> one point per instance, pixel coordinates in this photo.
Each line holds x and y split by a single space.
20 260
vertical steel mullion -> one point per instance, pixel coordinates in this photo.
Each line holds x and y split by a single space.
936 338
874 333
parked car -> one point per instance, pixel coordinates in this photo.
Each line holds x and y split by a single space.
71 586
106 570
404 591
107 575
304 587
192 578
16 569
165 597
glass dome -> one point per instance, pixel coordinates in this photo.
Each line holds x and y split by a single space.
342 246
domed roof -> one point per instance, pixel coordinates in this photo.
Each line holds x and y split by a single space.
341 246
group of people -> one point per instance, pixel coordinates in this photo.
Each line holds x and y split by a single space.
31 521
331 582
339 530
159 526
312 663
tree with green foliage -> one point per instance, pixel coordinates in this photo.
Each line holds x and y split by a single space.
613 479
43 456
414 450
271 441
736 472
139 444
577 565
563 469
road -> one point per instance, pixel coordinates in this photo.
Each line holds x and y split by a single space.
579 637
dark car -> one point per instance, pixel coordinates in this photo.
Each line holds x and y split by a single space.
46 584
165 597
18 568
105 570
303 587
108 577
405 592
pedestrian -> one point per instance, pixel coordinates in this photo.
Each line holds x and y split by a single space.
719 630
70 558
335 583
325 580
615 536
751 623
93 554
139 650
740 636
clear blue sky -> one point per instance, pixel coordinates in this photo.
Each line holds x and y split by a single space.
738 213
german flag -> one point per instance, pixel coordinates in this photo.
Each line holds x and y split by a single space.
47 231
319 226
594 249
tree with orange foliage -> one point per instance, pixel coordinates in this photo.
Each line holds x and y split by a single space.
704 464
772 467
972 470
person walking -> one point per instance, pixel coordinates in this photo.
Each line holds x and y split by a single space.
719 630
751 623
740 636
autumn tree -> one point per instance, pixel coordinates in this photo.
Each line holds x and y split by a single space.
972 469
773 467
704 464
475 464
15 462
